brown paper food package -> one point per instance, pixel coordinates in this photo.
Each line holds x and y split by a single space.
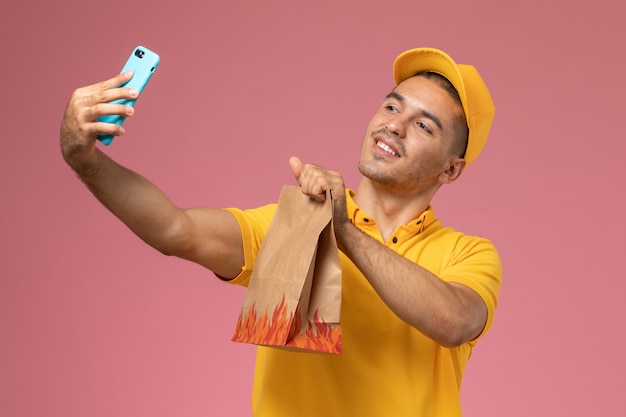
293 298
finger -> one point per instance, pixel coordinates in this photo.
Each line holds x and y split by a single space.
296 166
100 103
92 113
108 129
112 94
116 81
319 187
314 182
111 83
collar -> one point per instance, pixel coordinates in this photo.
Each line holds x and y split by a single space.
363 220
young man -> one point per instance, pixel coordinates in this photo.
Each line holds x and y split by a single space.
416 295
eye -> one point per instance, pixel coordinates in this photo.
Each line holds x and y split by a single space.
391 108
423 126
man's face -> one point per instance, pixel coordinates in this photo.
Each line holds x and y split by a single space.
408 141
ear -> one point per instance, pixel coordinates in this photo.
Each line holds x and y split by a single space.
453 171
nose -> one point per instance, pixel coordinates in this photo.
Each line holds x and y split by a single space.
396 126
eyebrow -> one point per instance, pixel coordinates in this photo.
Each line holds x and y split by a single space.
427 114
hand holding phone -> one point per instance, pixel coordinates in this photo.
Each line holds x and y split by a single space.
143 62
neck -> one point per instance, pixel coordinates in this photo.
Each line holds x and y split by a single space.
390 208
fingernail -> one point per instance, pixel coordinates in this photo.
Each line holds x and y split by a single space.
133 92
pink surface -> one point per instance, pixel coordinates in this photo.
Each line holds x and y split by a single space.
94 323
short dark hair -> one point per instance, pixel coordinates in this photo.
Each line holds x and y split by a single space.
460 145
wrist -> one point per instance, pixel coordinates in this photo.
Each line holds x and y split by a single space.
84 162
344 230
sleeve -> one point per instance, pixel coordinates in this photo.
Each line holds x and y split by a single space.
254 224
476 263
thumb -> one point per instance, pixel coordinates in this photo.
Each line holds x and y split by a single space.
296 166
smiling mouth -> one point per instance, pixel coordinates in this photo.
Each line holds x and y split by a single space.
386 148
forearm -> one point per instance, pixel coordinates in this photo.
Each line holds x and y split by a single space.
450 314
132 198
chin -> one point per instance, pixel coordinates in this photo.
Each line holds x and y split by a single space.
374 174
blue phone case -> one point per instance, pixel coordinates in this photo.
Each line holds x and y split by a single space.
143 62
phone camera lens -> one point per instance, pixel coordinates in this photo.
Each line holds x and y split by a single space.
139 53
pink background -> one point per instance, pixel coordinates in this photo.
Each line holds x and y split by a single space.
95 323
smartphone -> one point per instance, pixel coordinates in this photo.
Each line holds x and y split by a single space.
143 62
